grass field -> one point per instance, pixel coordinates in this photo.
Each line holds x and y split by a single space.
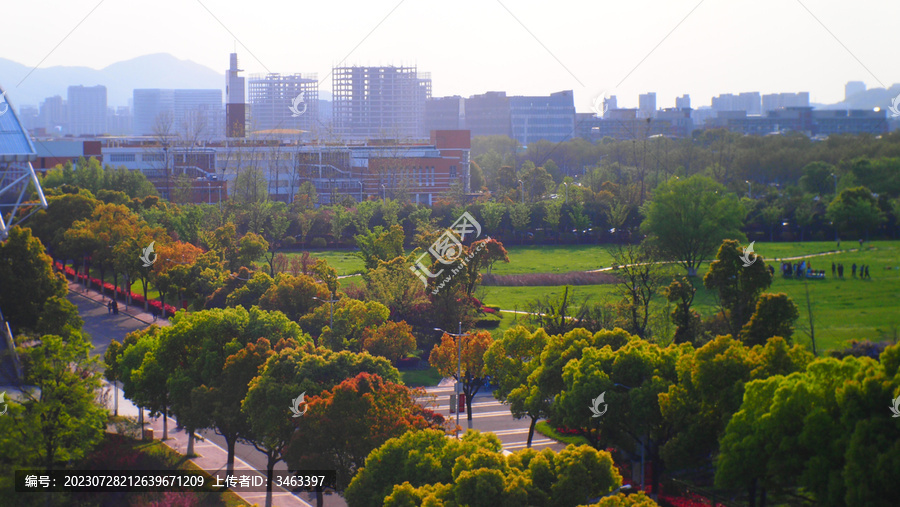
843 309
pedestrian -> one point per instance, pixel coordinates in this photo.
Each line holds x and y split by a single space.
867 273
860 243
109 307
155 312
853 269
772 270
841 270
832 268
115 307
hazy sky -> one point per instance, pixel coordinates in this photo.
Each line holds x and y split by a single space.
524 47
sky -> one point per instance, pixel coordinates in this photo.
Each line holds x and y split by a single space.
524 47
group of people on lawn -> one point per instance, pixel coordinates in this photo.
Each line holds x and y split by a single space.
800 270
863 270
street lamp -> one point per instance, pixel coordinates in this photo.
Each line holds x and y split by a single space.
522 190
360 190
383 192
458 337
749 189
567 192
331 318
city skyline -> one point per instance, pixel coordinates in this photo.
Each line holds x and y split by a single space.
524 49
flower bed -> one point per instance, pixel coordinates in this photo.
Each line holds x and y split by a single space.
96 284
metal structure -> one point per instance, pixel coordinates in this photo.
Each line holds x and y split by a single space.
380 102
17 177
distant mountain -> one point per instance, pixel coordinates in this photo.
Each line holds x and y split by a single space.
159 70
869 99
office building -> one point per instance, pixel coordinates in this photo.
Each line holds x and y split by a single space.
488 114
683 102
775 101
749 102
445 113
380 102
195 114
807 121
53 115
852 88
547 118
86 107
235 106
647 105
282 103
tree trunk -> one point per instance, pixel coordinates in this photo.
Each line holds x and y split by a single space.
146 303
469 406
190 449
230 441
531 431
751 493
270 473
165 414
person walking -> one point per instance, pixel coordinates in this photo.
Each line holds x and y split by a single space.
115 307
841 270
109 308
853 269
867 273
832 269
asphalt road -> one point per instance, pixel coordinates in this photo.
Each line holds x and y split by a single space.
489 415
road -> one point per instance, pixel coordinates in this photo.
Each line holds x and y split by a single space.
490 415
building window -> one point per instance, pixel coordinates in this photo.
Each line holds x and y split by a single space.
153 157
121 157
452 171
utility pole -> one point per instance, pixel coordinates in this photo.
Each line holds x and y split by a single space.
458 387
331 316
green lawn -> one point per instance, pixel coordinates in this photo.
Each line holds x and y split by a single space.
843 309
421 378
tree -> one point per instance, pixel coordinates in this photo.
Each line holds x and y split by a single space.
396 287
688 218
27 279
509 361
481 256
350 318
737 286
306 198
194 351
445 357
493 212
426 468
631 379
282 379
855 210
342 426
774 316
519 217
252 246
62 211
552 216
681 292
640 280
380 245
56 419
293 295
392 340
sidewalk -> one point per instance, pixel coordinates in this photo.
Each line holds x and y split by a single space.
210 457
134 311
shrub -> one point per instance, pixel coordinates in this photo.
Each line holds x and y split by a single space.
318 243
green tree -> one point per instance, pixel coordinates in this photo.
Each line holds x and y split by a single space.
55 419
293 295
855 210
681 292
493 212
509 361
27 279
688 218
519 217
380 245
640 280
737 286
774 316
350 318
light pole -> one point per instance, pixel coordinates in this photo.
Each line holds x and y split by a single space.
458 337
522 190
749 189
331 317
360 190
567 192
383 192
